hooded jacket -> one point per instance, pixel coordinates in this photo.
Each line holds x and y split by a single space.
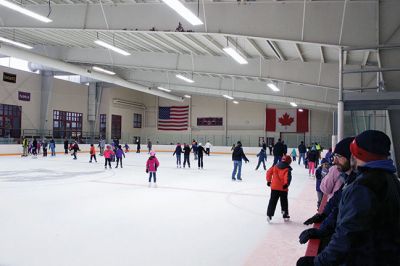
368 223
279 175
152 164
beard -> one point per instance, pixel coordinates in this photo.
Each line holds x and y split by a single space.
343 167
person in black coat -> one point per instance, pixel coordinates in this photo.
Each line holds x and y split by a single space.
200 152
284 148
66 146
278 152
178 152
186 155
237 157
138 146
302 152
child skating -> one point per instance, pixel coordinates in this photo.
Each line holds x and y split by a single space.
92 153
151 167
279 177
262 157
108 153
119 153
186 155
178 153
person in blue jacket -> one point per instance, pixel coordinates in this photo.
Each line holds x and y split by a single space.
178 152
262 157
368 223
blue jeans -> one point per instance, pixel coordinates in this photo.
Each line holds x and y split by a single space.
152 174
277 159
302 155
237 167
178 159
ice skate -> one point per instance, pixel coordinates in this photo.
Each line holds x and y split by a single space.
269 218
286 217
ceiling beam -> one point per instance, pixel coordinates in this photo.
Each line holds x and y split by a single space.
258 48
238 47
176 39
365 58
299 52
321 49
205 48
276 50
161 40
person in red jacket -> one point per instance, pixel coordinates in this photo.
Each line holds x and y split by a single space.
278 178
151 167
108 153
92 153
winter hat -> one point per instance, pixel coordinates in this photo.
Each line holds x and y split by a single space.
239 143
343 147
200 144
286 159
371 145
152 153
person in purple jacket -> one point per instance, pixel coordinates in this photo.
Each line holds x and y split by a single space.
119 153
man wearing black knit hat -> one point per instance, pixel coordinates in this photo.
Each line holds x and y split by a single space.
368 224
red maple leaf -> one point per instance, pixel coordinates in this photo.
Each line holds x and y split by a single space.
286 120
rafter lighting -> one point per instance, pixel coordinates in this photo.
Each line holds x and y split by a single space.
111 47
293 104
235 102
187 96
228 97
24 11
15 43
184 78
273 87
301 110
99 69
163 89
235 55
183 11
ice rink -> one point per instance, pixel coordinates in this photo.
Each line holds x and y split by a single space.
56 211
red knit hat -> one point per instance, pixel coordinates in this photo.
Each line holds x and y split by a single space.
371 145
286 159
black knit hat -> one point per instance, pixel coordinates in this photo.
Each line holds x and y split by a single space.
343 147
371 145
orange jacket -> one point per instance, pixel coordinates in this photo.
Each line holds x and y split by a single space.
279 175
92 150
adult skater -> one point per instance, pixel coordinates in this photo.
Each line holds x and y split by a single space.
25 145
178 152
102 145
45 145
208 148
194 149
302 152
52 146
200 154
137 145
237 157
367 229
278 178
278 151
186 155
34 147
66 145
149 145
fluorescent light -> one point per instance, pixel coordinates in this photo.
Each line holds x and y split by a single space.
235 102
235 55
99 69
15 43
228 97
187 96
111 47
163 89
184 12
293 104
273 87
184 78
301 110
24 11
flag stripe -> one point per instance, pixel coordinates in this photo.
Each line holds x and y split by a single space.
173 118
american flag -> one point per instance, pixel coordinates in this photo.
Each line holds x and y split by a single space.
174 118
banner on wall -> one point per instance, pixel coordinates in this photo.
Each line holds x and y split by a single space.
8 77
287 120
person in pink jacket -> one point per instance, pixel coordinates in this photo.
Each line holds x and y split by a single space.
151 166
108 153
331 183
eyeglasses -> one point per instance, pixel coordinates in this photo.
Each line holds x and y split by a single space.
337 156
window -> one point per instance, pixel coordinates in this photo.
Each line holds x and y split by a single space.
103 125
10 121
67 124
116 126
137 120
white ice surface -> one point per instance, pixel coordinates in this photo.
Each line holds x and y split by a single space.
55 211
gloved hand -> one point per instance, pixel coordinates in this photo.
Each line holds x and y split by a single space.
246 161
269 184
308 234
305 261
317 218
147 170
285 186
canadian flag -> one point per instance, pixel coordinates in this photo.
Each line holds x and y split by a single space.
287 120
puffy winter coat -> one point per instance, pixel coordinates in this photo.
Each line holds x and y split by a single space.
119 153
279 175
320 173
238 154
108 153
152 164
332 182
312 156
92 150
368 224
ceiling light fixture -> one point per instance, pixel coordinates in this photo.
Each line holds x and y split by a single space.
273 87
24 11
184 78
111 47
235 55
228 97
293 104
301 110
235 102
15 43
99 69
183 11
163 89
187 96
